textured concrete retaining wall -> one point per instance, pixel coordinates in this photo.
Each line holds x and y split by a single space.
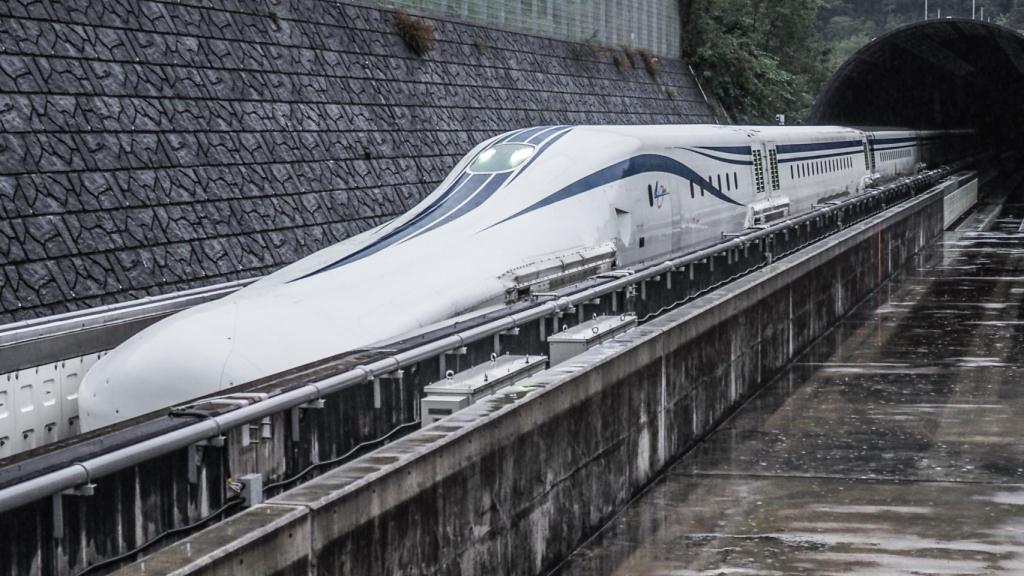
513 486
153 146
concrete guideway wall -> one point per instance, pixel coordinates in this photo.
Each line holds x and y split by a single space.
513 486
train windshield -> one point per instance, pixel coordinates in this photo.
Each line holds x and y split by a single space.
501 158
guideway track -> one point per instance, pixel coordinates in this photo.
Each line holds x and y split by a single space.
778 239
85 472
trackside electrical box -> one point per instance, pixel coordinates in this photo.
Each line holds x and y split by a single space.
582 337
457 391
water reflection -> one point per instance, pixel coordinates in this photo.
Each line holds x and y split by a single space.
892 447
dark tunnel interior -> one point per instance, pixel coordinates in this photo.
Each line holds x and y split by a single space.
937 74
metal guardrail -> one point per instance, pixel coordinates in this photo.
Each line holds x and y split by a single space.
31 343
84 472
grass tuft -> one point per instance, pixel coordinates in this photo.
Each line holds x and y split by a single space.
622 62
651 62
418 33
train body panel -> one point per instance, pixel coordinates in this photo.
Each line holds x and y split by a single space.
637 193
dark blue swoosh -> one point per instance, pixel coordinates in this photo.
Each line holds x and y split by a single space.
817 146
540 151
636 165
542 135
524 136
720 159
881 141
482 196
741 150
463 188
509 136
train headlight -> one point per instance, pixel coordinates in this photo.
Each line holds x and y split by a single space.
501 158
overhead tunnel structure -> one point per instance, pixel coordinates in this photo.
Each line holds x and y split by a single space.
936 74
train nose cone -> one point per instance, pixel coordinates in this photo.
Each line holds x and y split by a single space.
175 360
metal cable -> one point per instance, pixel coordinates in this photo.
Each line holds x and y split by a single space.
355 449
227 504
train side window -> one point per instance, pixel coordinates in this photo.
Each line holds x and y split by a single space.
792 174
736 180
719 182
692 193
728 183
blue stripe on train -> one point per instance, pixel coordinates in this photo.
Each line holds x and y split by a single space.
746 162
817 146
634 166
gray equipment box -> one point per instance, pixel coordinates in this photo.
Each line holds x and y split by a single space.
457 391
580 338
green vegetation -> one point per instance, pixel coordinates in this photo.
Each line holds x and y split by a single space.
622 61
418 33
756 58
651 62
759 58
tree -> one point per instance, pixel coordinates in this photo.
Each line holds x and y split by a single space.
758 58
1014 16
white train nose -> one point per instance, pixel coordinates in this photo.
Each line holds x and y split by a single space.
173 361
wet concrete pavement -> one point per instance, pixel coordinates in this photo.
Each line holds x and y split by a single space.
895 446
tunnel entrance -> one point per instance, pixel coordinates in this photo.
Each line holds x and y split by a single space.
951 73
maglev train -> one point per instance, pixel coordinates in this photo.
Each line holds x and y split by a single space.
525 210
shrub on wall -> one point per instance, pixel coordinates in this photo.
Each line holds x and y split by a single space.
622 62
418 33
651 63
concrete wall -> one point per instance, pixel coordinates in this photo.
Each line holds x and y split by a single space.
514 485
154 146
652 24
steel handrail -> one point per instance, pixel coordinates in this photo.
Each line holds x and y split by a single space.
84 472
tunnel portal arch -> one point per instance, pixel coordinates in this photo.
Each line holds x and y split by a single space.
951 73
